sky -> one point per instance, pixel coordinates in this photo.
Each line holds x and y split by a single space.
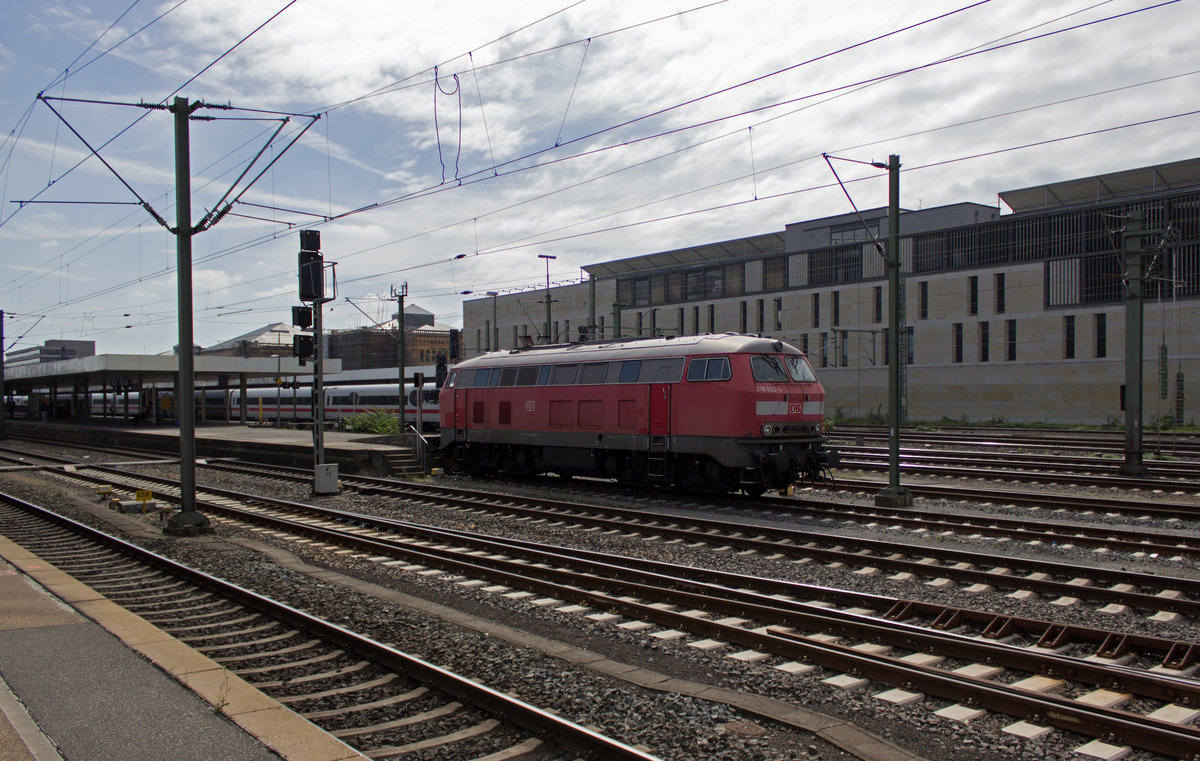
444 147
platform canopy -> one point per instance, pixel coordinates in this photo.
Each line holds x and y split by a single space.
131 371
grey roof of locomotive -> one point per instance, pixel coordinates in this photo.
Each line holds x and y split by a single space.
633 348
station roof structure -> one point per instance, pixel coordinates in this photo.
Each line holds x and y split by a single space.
136 370
1127 183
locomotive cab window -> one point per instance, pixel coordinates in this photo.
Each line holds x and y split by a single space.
451 380
768 369
799 368
709 369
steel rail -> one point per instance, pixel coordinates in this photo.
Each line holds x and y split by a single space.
519 712
1144 732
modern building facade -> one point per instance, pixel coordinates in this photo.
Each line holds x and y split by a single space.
1017 316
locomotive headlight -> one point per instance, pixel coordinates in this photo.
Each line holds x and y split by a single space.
766 429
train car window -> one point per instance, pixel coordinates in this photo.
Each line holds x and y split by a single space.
527 376
709 369
354 398
630 370
768 369
544 375
718 369
412 397
799 368
495 381
508 376
432 395
594 373
564 375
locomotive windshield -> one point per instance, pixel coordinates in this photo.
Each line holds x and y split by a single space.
801 371
768 369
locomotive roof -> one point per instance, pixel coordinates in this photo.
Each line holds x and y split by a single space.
635 348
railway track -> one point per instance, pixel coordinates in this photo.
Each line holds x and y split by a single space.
385 703
1183 445
786 620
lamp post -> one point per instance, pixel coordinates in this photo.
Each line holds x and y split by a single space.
495 344
547 257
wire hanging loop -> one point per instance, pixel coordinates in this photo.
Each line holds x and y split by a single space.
587 45
456 90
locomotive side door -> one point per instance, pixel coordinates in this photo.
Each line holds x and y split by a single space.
460 413
660 410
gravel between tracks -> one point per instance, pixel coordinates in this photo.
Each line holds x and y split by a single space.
669 725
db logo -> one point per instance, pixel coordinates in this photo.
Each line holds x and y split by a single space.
530 405
795 408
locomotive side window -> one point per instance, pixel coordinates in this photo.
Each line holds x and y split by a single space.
662 370
495 380
801 371
544 375
768 369
508 376
630 370
594 373
710 369
527 376
563 375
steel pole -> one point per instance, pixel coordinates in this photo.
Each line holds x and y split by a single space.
1135 273
894 495
188 520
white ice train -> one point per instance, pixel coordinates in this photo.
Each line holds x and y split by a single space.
285 404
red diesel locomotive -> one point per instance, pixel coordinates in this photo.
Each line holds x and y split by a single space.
713 412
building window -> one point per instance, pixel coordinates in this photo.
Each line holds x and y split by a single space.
487 331
878 303
824 350
712 318
909 344
682 331
1010 340
1101 336
924 306
958 342
696 321
804 343
842 341
983 341
887 348
762 317
744 324
816 310
999 293
778 314
837 308
1069 337
600 328
639 323
973 287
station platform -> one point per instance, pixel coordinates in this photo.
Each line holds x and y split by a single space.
81 678
356 453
